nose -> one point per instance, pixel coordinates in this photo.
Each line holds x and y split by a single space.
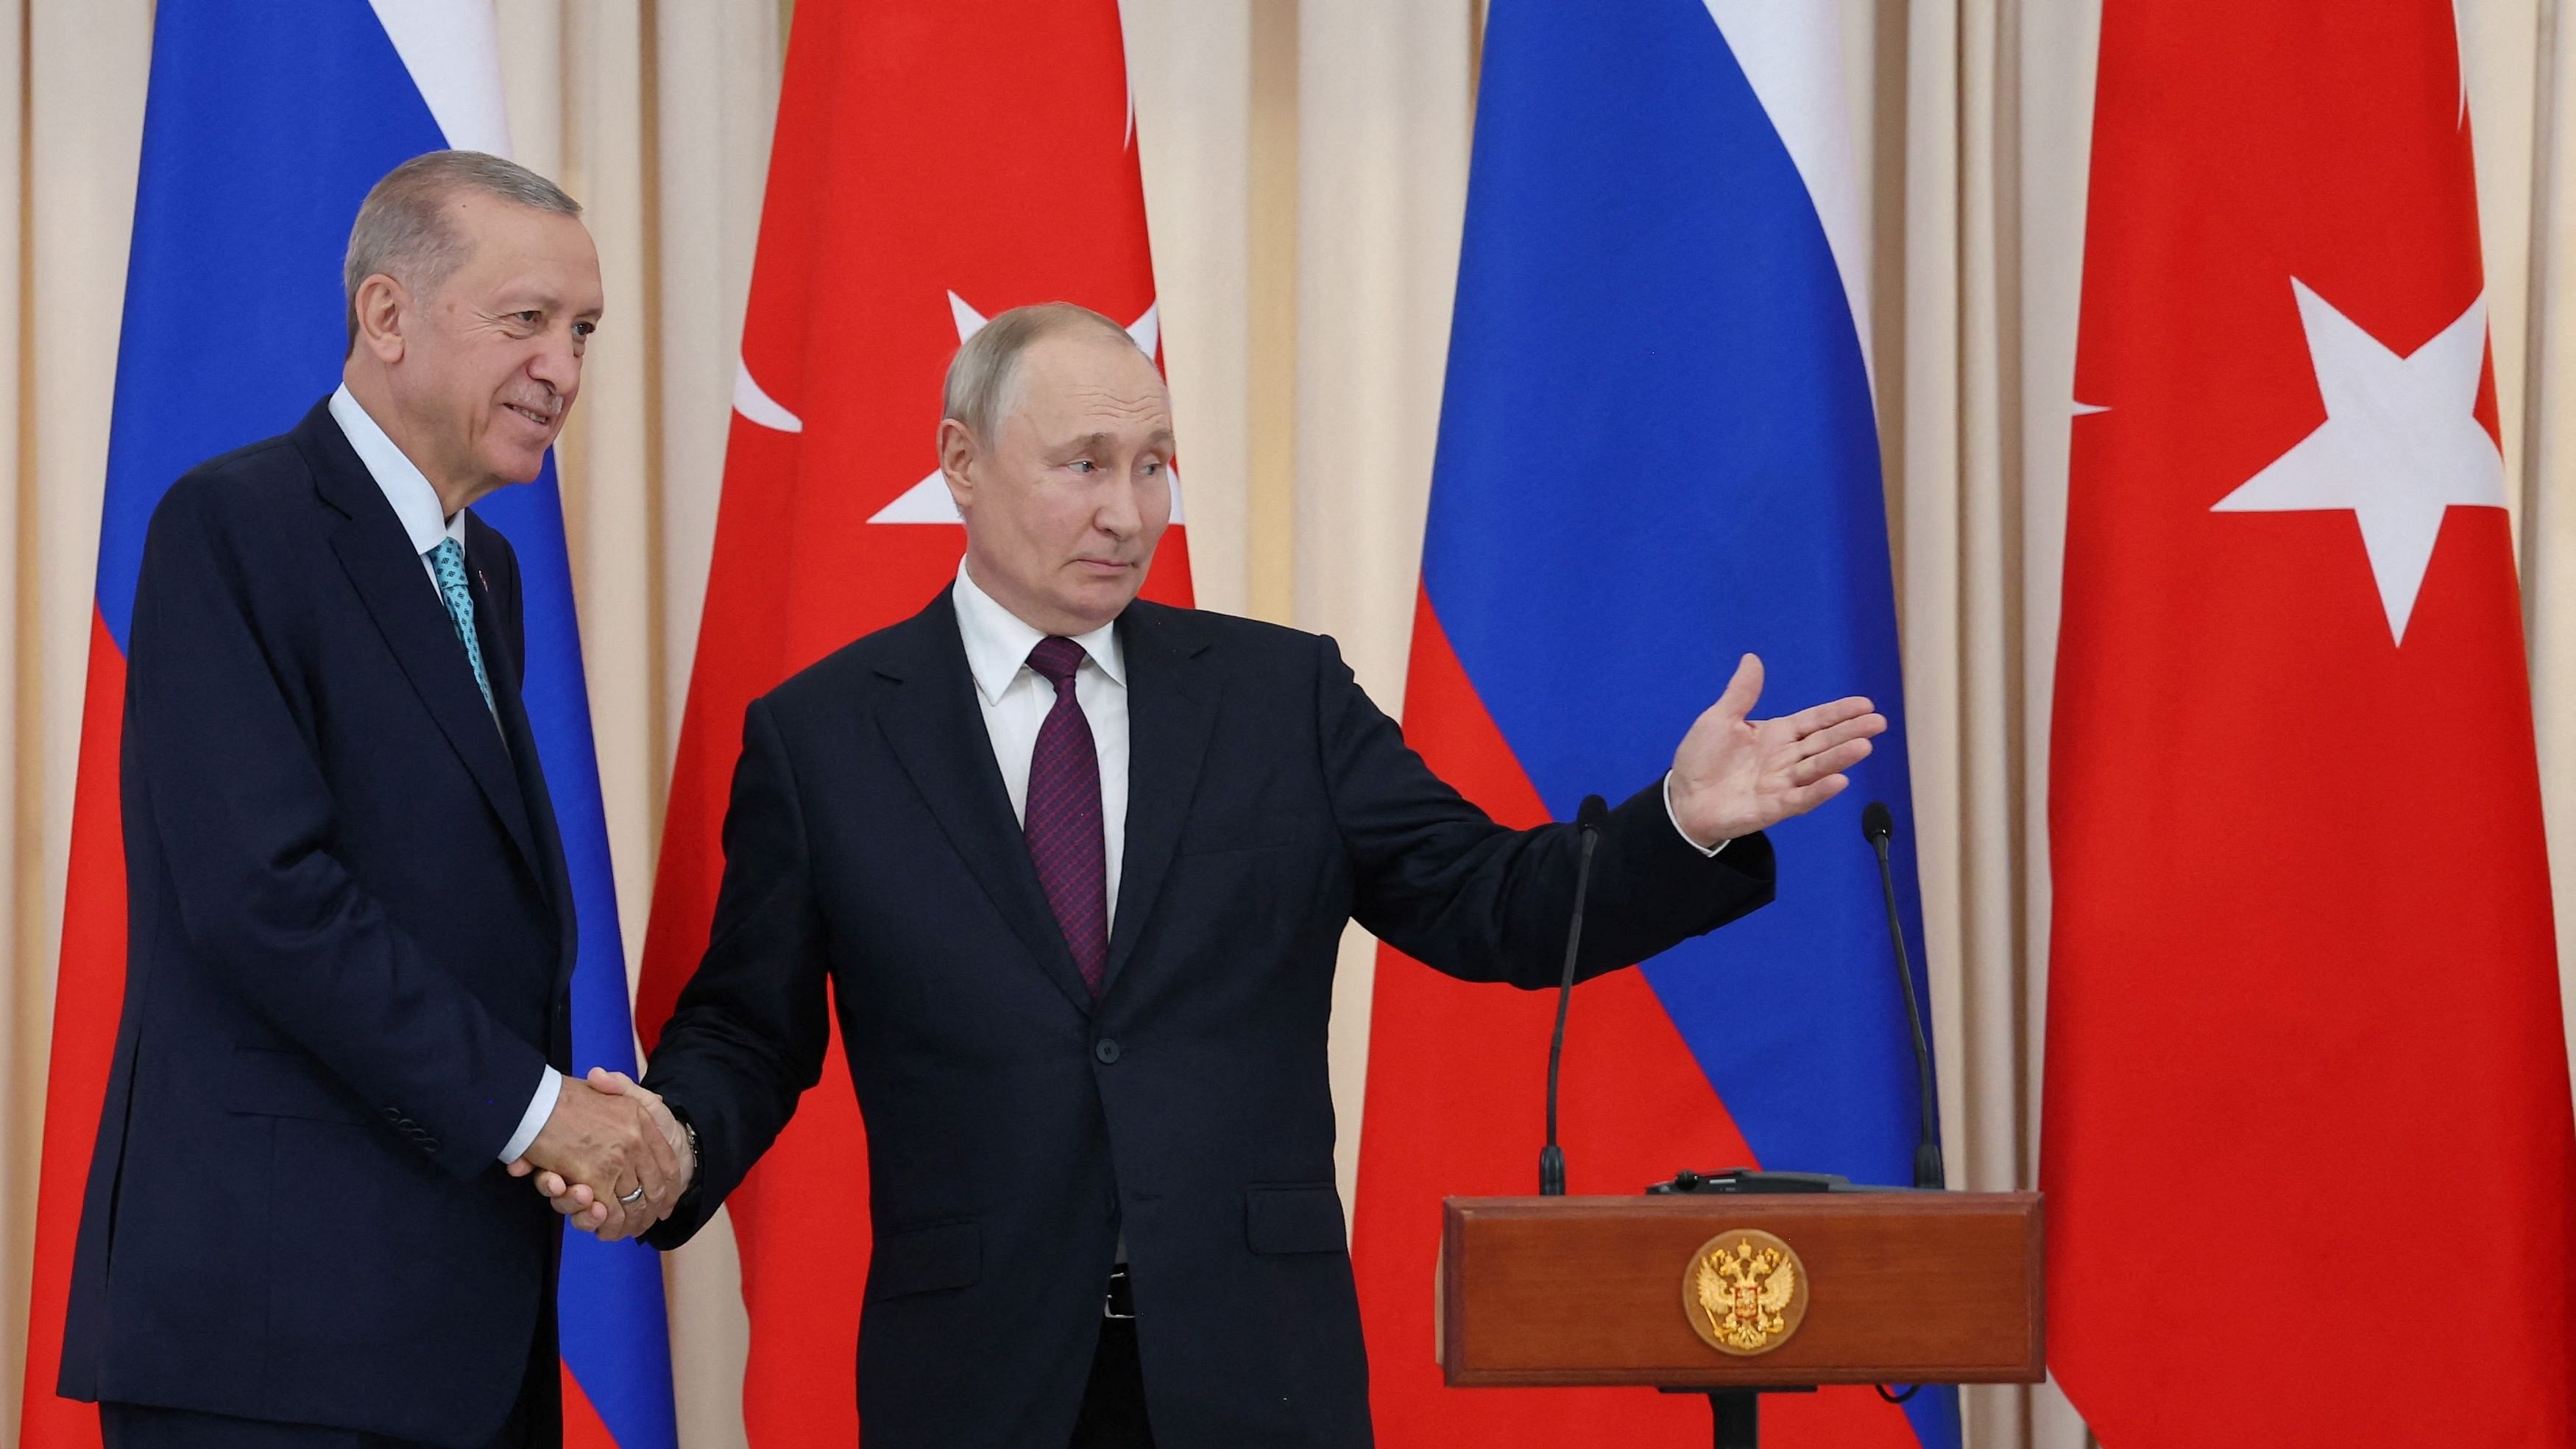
1118 514
558 366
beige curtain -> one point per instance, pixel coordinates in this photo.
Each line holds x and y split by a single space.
74 122
1305 171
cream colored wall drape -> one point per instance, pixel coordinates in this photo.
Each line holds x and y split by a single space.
1305 173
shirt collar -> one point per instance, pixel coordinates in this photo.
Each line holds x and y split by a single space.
998 641
414 501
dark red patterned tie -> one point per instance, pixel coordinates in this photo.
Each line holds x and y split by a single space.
1063 815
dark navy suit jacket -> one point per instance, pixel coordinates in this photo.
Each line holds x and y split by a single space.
1015 1127
350 942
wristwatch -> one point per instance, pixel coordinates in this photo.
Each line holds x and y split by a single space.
691 1129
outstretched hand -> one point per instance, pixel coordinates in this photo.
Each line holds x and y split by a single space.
594 1206
1734 775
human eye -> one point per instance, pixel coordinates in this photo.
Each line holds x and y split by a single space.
584 329
1083 465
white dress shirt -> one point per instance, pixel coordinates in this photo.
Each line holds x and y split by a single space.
416 504
1673 816
405 486
1016 698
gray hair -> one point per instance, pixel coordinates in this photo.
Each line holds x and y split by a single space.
403 231
984 376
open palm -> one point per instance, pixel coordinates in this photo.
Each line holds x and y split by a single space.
1734 775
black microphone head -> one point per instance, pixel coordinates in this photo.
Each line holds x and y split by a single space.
1876 824
1592 814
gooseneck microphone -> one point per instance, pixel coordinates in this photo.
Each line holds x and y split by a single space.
1588 819
1876 825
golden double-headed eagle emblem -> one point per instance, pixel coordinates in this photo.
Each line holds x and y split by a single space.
1744 1292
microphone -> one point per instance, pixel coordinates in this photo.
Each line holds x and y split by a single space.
1876 825
1588 819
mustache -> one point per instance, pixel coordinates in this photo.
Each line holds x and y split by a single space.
548 404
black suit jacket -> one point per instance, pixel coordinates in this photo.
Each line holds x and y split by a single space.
350 943
1015 1127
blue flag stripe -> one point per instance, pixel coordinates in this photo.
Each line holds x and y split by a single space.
625 1371
263 127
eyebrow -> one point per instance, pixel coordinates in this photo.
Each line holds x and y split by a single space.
1094 440
511 299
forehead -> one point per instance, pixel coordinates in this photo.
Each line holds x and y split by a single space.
1081 377
512 245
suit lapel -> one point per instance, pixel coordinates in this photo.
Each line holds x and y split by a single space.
501 629
396 589
937 732
1171 711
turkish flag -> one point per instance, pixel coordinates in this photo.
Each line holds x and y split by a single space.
936 161
2306 1140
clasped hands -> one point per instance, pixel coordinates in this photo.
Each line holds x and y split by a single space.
606 1139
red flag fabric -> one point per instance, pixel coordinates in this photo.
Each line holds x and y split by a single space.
89 995
2306 1139
936 161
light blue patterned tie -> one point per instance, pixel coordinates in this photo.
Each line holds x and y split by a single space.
449 560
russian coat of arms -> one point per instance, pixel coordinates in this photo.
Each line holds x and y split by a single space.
1745 1292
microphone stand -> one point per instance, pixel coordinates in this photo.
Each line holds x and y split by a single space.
1551 1158
1877 824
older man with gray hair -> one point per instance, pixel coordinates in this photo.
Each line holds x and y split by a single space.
1074 868
346 1019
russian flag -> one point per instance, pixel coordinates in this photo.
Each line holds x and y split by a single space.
266 124
1657 451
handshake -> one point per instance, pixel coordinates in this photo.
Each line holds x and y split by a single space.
611 1157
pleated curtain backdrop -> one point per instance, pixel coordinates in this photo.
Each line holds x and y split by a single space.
1305 170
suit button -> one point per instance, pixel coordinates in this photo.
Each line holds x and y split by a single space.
1106 1050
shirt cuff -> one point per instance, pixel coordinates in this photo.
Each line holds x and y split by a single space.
1707 850
540 1107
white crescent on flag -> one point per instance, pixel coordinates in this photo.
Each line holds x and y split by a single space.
759 406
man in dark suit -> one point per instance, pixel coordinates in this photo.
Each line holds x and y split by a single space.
350 930
1075 868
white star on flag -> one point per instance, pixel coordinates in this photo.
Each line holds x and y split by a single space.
2399 447
928 502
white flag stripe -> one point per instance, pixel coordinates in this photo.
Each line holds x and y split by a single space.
453 52
1793 56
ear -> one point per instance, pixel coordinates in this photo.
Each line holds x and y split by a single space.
383 306
957 454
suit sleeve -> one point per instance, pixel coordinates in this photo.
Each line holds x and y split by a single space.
243 820
750 1030
1443 883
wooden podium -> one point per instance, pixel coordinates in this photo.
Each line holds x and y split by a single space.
1892 1287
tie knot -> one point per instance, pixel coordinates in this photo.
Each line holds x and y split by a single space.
1056 658
449 559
